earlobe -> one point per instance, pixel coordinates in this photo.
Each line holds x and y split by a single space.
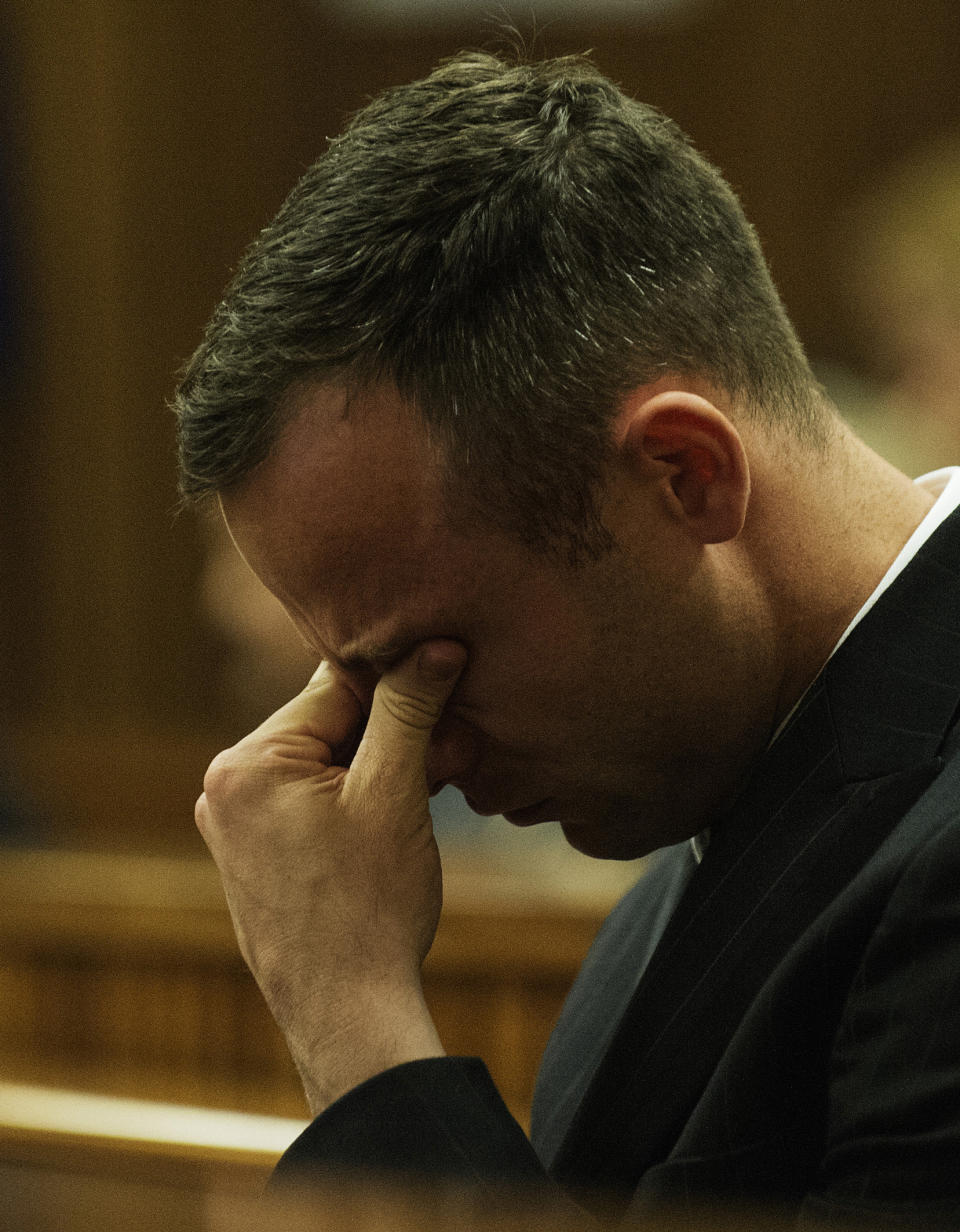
693 453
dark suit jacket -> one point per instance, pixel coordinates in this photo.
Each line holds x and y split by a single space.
795 1038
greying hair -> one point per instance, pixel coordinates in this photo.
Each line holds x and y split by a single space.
513 248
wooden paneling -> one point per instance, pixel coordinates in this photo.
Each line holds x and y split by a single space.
121 974
111 786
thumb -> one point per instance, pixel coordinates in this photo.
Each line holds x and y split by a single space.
407 703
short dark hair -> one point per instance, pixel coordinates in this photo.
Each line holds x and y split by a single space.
513 247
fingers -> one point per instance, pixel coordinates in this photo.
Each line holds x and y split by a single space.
325 711
407 704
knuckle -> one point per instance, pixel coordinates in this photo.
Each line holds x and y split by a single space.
413 710
201 814
223 777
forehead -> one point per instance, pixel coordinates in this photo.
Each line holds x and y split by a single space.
342 465
344 521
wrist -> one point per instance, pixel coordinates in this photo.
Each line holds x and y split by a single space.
372 1033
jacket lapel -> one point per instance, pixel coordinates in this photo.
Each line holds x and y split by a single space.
606 983
825 796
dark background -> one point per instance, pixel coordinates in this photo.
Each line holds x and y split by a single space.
145 143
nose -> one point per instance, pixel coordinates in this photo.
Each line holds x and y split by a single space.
454 750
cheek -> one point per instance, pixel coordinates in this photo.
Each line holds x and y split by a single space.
530 655
511 692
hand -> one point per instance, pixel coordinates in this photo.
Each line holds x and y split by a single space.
332 874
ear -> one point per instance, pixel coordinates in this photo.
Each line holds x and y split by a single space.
694 455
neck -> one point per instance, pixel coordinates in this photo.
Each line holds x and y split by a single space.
828 536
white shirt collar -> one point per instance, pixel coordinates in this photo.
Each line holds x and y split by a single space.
945 486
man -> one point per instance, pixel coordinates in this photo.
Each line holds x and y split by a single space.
505 409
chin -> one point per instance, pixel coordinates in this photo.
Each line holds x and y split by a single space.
626 833
603 844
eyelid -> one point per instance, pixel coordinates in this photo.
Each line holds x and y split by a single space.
377 661
364 671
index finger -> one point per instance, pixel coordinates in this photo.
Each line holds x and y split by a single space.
325 709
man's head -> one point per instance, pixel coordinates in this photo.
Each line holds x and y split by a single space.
508 368
513 248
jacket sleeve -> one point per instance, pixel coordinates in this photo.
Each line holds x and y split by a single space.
440 1121
893 1144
